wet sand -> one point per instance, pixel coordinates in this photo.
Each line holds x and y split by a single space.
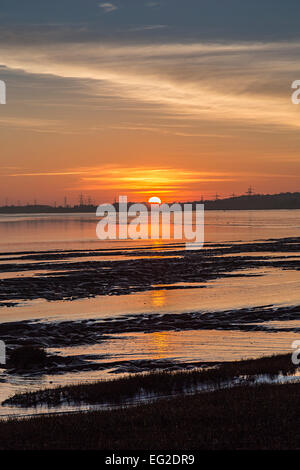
85 279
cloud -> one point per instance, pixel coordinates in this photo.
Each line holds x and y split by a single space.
152 4
108 7
138 180
46 125
148 27
223 82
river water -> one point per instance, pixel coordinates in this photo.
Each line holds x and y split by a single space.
268 286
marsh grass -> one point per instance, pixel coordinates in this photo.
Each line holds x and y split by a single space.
247 417
157 383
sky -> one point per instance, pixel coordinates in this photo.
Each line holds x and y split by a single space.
174 98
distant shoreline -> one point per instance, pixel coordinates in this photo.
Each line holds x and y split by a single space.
93 212
282 201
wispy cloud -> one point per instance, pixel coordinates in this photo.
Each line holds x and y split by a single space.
152 4
29 123
108 7
137 180
107 180
183 79
148 27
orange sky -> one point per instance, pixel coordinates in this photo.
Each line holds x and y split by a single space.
175 118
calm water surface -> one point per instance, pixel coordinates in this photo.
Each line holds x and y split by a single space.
78 231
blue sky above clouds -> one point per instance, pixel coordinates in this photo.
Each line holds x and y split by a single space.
205 19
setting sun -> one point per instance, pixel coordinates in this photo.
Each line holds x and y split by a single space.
154 200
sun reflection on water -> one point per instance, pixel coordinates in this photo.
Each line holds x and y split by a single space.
160 344
158 298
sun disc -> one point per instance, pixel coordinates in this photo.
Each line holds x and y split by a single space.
154 200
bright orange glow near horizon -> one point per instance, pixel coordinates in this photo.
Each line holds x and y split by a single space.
107 182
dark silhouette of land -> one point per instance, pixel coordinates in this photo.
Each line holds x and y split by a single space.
224 419
256 202
245 202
